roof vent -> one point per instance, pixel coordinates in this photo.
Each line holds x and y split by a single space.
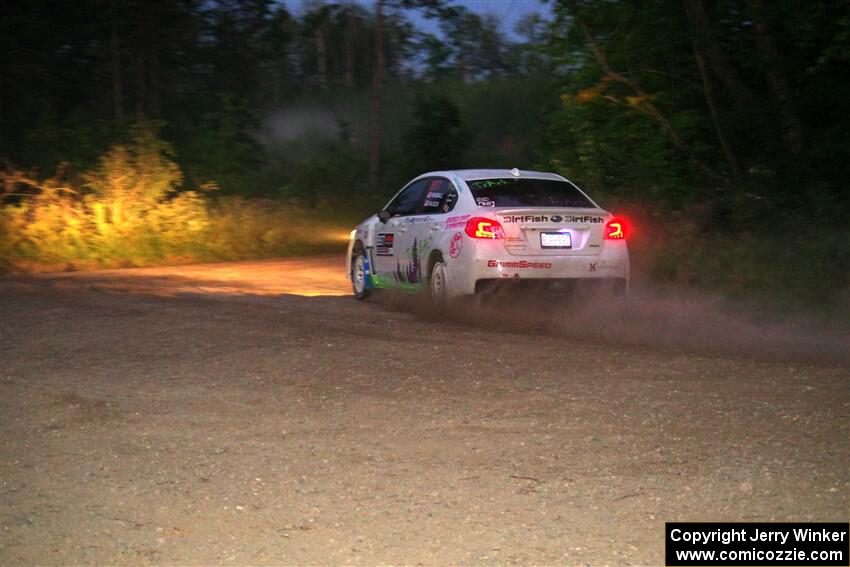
515 172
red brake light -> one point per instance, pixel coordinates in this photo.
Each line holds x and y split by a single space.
480 227
616 229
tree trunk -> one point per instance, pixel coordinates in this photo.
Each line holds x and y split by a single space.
375 99
321 59
777 82
349 49
154 70
716 59
276 86
711 101
141 63
461 68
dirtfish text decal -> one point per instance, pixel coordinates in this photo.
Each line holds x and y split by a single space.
554 218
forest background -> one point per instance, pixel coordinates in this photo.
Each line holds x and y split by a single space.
137 133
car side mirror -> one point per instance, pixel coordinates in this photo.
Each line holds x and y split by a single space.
384 215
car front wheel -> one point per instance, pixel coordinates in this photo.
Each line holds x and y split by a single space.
359 274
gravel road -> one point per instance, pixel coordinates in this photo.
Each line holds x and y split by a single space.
254 413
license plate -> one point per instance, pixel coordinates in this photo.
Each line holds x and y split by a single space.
556 240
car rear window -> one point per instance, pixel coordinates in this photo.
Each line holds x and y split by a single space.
511 192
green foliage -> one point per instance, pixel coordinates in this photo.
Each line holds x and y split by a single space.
615 152
436 139
216 146
505 118
331 174
782 271
77 139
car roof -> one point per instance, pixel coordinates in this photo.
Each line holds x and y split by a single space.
472 174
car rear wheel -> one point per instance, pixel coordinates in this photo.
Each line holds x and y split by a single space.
437 291
359 274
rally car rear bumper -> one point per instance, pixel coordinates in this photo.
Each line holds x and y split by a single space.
490 265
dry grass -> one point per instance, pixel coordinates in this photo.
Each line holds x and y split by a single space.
130 211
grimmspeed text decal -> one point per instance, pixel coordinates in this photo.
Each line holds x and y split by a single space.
520 264
593 219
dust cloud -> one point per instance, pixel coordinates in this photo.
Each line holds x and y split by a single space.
676 318
673 318
290 124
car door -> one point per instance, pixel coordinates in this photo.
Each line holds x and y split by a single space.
422 230
389 254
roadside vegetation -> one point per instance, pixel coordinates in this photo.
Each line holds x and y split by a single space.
141 133
132 210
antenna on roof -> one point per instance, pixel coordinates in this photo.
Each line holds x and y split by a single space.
515 172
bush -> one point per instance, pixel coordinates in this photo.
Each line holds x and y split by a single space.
129 212
793 269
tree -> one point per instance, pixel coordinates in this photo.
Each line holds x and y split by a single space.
375 98
437 139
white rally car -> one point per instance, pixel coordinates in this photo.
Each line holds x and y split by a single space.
457 233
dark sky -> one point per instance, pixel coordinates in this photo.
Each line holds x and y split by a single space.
509 12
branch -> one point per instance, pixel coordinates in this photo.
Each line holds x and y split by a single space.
12 177
646 106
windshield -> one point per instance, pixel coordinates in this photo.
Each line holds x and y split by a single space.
511 192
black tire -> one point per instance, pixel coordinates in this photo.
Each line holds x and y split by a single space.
359 267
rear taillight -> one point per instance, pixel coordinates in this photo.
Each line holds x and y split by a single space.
616 229
480 227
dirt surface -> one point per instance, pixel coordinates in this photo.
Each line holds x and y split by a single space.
252 414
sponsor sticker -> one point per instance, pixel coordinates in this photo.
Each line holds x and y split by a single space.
585 219
384 244
455 245
456 221
519 264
